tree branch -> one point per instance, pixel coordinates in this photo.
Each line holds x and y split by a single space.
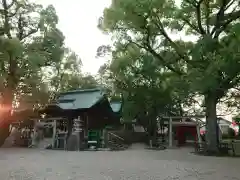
12 78
32 31
20 27
228 83
3 69
148 48
191 3
207 4
181 54
220 16
159 24
6 19
221 29
226 19
21 35
230 3
235 16
11 4
14 13
199 21
190 25
159 57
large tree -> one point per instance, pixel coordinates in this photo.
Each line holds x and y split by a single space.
29 42
67 74
209 62
147 91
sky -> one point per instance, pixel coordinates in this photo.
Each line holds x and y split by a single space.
78 20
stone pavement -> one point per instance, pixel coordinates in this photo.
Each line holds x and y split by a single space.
177 164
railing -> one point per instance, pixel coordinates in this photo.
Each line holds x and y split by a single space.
114 135
116 142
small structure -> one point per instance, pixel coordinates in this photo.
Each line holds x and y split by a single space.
183 125
20 121
89 109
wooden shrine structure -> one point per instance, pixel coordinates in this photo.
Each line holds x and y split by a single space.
74 117
80 112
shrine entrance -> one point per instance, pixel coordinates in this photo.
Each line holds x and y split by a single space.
180 126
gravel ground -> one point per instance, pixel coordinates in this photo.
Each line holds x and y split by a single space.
133 164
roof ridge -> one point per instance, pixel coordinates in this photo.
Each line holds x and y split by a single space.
82 91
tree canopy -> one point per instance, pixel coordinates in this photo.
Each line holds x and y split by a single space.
35 64
160 30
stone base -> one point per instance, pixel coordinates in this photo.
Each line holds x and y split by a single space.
72 144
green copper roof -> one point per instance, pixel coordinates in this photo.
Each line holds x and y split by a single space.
80 99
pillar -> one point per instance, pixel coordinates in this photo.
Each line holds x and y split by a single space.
199 139
170 132
77 130
54 125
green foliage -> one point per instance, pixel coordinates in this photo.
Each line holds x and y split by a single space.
66 74
147 90
146 24
31 49
207 65
35 64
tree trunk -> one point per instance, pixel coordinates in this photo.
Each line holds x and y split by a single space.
211 123
7 100
4 132
12 78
